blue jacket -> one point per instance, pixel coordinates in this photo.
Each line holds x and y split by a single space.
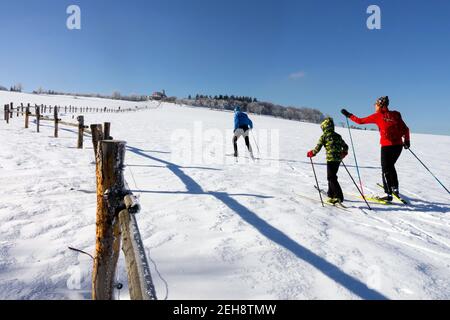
242 119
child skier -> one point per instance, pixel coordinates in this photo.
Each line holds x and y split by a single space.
242 127
337 150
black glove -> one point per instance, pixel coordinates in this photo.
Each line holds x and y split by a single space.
346 113
407 144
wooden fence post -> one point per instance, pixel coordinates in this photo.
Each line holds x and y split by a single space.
107 132
97 136
27 115
11 110
140 281
110 188
6 113
80 131
38 117
55 116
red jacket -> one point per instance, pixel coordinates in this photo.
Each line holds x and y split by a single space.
391 125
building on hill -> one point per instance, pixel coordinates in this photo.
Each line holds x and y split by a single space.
158 95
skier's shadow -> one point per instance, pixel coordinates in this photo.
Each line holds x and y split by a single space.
330 270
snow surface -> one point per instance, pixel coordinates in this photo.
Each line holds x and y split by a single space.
215 228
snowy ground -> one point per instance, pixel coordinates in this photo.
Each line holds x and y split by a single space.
214 228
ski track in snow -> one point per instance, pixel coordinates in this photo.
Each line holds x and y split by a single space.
221 230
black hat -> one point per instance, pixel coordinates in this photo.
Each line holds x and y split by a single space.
383 101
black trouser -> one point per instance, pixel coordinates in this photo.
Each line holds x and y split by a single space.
334 189
246 137
389 156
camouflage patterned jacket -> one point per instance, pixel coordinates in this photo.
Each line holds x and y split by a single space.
333 142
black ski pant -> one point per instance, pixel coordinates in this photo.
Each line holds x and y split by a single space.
389 156
244 132
334 189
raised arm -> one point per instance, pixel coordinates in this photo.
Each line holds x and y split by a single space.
370 119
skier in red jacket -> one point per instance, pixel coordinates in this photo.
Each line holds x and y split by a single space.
394 135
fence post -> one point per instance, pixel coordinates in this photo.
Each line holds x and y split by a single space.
80 131
55 115
11 110
110 188
107 132
97 136
6 113
38 117
27 115
140 281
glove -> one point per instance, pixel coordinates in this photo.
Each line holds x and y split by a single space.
346 113
344 154
407 144
310 154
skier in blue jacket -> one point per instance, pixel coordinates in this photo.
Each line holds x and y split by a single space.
242 127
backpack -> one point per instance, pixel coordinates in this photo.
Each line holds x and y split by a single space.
394 127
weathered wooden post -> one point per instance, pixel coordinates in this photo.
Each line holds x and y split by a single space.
27 115
55 116
17 111
97 136
140 281
38 117
5 113
11 110
110 193
80 131
21 108
107 132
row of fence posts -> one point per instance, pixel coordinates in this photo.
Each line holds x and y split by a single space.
116 209
9 113
9 109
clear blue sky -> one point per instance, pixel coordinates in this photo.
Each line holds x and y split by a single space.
302 53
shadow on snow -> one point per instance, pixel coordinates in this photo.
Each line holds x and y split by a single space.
333 272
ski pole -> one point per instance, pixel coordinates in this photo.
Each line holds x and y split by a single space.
257 147
354 155
317 182
428 170
356 185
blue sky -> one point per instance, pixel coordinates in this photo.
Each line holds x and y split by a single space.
301 53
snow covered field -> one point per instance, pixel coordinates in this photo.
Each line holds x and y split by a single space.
214 228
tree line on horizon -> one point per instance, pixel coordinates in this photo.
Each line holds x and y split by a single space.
253 105
218 102
15 88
